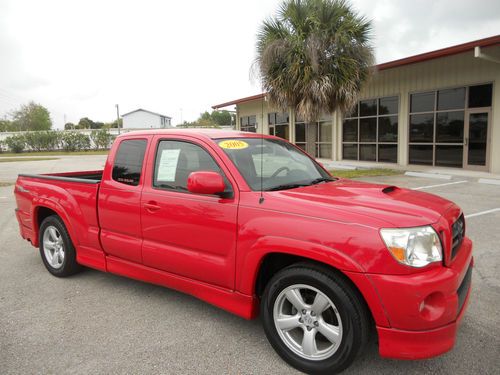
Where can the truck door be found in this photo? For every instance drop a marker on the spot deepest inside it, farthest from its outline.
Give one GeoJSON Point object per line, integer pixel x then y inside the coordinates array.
{"type": "Point", "coordinates": [190, 235]}
{"type": "Point", "coordinates": [119, 201]}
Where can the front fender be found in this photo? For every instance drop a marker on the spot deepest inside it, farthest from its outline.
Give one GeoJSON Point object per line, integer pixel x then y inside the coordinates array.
{"type": "Point", "coordinates": [251, 262]}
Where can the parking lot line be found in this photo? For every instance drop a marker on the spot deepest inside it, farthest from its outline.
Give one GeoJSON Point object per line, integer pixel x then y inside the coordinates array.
{"type": "Point", "coordinates": [482, 213]}
{"type": "Point", "coordinates": [433, 186]}
{"type": "Point", "coordinates": [428, 175]}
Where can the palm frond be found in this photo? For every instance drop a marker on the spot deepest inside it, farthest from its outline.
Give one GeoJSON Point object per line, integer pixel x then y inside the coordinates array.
{"type": "Point", "coordinates": [314, 56]}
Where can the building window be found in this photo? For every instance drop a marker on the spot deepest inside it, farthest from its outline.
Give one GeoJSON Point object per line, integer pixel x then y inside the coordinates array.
{"type": "Point", "coordinates": [370, 131]}
{"type": "Point", "coordinates": [315, 138]}
{"type": "Point", "coordinates": [279, 124]}
{"type": "Point", "coordinates": [437, 123]}
{"type": "Point", "coordinates": [248, 124]}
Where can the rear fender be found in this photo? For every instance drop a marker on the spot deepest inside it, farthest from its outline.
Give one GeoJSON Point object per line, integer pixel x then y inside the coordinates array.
{"type": "Point", "coordinates": [46, 203]}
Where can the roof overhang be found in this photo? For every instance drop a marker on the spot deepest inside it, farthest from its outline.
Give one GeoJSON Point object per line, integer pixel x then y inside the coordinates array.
{"type": "Point", "coordinates": [448, 51]}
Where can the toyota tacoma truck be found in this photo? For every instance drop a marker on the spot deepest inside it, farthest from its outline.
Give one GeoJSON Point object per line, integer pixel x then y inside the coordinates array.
{"type": "Point", "coordinates": [252, 224]}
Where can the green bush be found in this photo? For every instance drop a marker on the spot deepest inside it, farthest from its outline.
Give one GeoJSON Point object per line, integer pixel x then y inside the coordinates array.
{"type": "Point", "coordinates": [16, 143]}
{"type": "Point", "coordinates": [101, 139]}
{"type": "Point", "coordinates": [42, 141]}
{"type": "Point", "coordinates": [73, 141]}
{"type": "Point", "coordinates": [49, 140]}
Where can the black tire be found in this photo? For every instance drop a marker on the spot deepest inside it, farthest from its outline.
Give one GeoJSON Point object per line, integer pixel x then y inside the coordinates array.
{"type": "Point", "coordinates": [351, 309]}
{"type": "Point", "coordinates": [68, 266]}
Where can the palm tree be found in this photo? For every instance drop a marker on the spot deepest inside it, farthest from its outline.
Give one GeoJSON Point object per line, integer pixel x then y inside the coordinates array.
{"type": "Point", "coordinates": [314, 56]}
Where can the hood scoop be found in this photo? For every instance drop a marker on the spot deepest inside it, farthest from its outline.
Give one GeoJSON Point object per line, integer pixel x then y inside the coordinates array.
{"type": "Point", "coordinates": [390, 189]}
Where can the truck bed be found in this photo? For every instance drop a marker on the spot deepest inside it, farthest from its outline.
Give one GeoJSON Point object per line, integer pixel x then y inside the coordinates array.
{"type": "Point", "coordinates": [71, 195]}
{"type": "Point", "coordinates": [89, 177]}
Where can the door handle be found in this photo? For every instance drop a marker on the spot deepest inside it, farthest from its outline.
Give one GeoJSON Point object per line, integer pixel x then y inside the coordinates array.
{"type": "Point", "coordinates": [152, 206]}
{"type": "Point", "coordinates": [466, 141]}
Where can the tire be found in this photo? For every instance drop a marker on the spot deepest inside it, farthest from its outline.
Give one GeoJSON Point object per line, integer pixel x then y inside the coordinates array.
{"type": "Point", "coordinates": [335, 319]}
{"type": "Point", "coordinates": [57, 250]}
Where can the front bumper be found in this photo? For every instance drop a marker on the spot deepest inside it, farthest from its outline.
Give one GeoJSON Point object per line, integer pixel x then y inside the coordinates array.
{"type": "Point", "coordinates": [424, 309]}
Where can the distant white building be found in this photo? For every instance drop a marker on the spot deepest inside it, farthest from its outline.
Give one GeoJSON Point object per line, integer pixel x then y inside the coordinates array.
{"type": "Point", "coordinates": [143, 119]}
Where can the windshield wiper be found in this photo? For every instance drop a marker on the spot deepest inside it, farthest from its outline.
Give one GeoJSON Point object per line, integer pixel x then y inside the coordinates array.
{"type": "Point", "coordinates": [321, 179]}
{"type": "Point", "coordinates": [286, 187]}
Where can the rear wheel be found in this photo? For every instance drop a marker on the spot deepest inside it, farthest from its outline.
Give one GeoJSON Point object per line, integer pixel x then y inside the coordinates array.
{"type": "Point", "coordinates": [314, 320]}
{"type": "Point", "coordinates": [57, 250]}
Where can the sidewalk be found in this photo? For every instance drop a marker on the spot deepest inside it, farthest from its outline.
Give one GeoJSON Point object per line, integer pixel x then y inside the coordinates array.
{"type": "Point", "coordinates": [349, 164]}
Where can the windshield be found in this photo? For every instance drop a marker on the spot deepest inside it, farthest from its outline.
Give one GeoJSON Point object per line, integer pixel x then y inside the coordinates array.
{"type": "Point", "coordinates": [280, 164]}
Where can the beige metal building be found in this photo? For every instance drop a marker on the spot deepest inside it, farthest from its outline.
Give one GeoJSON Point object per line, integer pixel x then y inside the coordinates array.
{"type": "Point", "coordinates": [440, 108]}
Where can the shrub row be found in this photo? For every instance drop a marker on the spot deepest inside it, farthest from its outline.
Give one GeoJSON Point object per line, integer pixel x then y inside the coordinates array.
{"type": "Point", "coordinates": [51, 140]}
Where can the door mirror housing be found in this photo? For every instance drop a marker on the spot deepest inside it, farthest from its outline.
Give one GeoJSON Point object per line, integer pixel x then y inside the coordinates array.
{"type": "Point", "coordinates": [206, 182]}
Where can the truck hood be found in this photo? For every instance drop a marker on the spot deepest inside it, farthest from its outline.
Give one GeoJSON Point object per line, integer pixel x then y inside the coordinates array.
{"type": "Point", "coordinates": [347, 200]}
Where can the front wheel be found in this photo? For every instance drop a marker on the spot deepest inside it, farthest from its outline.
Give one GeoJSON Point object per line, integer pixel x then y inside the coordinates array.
{"type": "Point", "coordinates": [314, 319]}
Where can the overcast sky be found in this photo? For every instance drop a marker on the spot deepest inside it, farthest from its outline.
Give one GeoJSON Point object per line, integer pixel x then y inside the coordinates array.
{"type": "Point", "coordinates": [80, 58]}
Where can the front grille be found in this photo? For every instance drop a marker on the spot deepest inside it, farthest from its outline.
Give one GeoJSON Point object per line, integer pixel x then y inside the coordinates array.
{"type": "Point", "coordinates": [464, 288]}
{"type": "Point", "coordinates": [457, 235]}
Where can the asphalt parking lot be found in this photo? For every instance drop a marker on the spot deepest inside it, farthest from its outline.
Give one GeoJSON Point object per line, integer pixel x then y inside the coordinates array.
{"type": "Point", "coordinates": [100, 323]}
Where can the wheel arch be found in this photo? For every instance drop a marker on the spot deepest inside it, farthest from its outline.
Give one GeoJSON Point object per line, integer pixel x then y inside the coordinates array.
{"type": "Point", "coordinates": [272, 259]}
{"type": "Point", "coordinates": [41, 212]}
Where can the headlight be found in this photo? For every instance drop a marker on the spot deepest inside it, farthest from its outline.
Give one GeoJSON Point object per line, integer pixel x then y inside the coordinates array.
{"type": "Point", "coordinates": [416, 247]}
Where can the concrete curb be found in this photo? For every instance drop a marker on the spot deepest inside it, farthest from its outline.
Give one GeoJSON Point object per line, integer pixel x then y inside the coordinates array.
{"type": "Point", "coordinates": [489, 181]}
{"type": "Point", "coordinates": [429, 175]}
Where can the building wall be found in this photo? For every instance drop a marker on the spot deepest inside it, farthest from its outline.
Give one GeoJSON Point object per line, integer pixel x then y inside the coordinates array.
{"type": "Point", "coordinates": [448, 72]}
{"type": "Point", "coordinates": [255, 108]}
{"type": "Point", "coordinates": [142, 120]}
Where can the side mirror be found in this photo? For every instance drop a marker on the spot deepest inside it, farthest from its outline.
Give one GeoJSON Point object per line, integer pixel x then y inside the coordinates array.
{"type": "Point", "coordinates": [205, 182]}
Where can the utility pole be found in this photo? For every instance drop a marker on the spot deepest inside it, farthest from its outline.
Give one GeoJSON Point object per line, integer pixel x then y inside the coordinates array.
{"type": "Point", "coordinates": [117, 117]}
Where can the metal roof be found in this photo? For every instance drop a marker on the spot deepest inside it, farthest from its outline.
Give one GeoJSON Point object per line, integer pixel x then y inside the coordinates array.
{"type": "Point", "coordinates": [145, 110]}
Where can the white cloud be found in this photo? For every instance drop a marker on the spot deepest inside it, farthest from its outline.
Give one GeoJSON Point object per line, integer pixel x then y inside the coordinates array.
{"type": "Point", "coordinates": [80, 58]}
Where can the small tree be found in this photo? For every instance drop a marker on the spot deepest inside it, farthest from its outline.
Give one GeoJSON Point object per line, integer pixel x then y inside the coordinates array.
{"type": "Point", "coordinates": [6, 126]}
{"type": "Point", "coordinates": [221, 117]}
{"type": "Point", "coordinates": [85, 123]}
{"type": "Point", "coordinates": [32, 116]}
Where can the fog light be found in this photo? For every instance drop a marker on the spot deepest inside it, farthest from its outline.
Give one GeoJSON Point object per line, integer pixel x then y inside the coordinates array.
{"type": "Point", "coordinates": [433, 306]}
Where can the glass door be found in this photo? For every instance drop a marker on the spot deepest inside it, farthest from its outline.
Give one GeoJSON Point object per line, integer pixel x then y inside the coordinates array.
{"type": "Point", "coordinates": [476, 141]}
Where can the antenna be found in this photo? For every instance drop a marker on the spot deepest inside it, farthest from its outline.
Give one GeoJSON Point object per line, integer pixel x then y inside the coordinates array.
{"type": "Point", "coordinates": [261, 199]}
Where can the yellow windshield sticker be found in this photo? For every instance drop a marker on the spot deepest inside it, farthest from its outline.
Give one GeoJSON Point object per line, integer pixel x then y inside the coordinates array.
{"type": "Point", "coordinates": [233, 144]}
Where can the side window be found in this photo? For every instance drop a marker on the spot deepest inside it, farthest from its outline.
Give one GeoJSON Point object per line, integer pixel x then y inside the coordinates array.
{"type": "Point", "coordinates": [175, 160]}
{"type": "Point", "coordinates": [128, 161]}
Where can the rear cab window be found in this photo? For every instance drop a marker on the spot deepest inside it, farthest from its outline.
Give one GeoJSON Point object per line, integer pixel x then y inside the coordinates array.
{"type": "Point", "coordinates": [127, 166]}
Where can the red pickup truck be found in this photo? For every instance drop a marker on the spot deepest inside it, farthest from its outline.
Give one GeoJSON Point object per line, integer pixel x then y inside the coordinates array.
{"type": "Point", "coordinates": [252, 224]}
